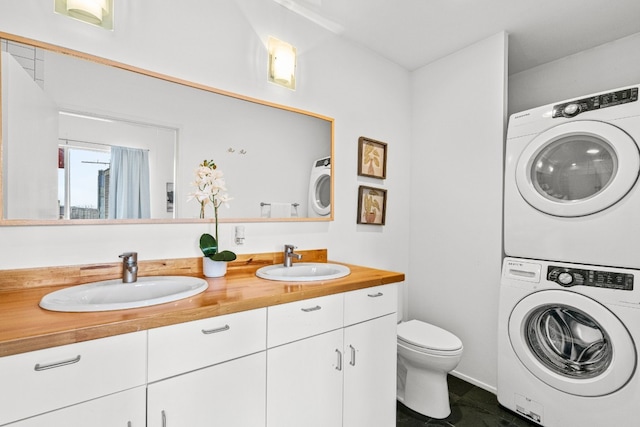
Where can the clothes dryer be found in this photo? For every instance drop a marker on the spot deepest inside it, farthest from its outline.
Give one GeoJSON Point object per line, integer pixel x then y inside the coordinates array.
{"type": "Point", "coordinates": [571, 181]}
{"type": "Point", "coordinates": [320, 188]}
{"type": "Point", "coordinates": [567, 343]}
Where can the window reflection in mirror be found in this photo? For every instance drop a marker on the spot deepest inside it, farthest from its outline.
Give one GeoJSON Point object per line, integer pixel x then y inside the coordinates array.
{"type": "Point", "coordinates": [92, 186]}
{"type": "Point", "coordinates": [83, 182]}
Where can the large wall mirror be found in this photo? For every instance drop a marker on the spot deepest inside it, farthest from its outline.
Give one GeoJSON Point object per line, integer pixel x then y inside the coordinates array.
{"type": "Point", "coordinates": [77, 130]}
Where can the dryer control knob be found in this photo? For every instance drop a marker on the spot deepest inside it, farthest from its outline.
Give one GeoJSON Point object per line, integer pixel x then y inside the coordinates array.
{"type": "Point", "coordinates": [565, 278]}
{"type": "Point", "coordinates": [571, 110]}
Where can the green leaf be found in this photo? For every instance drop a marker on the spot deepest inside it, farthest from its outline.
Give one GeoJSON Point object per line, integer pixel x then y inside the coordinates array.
{"type": "Point", "coordinates": [208, 245]}
{"type": "Point", "coordinates": [223, 256]}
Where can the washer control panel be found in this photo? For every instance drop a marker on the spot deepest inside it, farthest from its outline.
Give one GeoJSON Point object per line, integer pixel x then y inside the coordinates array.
{"type": "Point", "coordinates": [573, 108]}
{"type": "Point", "coordinates": [568, 277]}
{"type": "Point", "coordinates": [326, 162]}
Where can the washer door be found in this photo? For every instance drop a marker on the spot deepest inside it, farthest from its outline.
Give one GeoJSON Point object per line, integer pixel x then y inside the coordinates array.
{"type": "Point", "coordinates": [577, 168]}
{"type": "Point", "coordinates": [572, 343]}
{"type": "Point", "coordinates": [321, 194]}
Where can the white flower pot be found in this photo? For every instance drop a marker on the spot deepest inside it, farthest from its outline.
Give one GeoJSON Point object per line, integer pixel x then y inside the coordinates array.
{"type": "Point", "coordinates": [212, 268]}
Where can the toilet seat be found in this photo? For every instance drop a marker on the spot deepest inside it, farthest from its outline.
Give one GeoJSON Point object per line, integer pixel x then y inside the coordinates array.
{"type": "Point", "coordinates": [428, 338]}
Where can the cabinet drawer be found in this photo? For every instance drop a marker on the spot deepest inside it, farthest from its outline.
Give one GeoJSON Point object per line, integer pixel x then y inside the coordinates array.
{"type": "Point", "coordinates": [301, 319]}
{"type": "Point", "coordinates": [44, 380]}
{"type": "Point", "coordinates": [193, 345]}
{"type": "Point", "coordinates": [365, 304]}
{"type": "Point", "coordinates": [126, 408]}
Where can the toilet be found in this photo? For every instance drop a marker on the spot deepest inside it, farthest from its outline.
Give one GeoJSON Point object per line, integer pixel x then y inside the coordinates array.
{"type": "Point", "coordinates": [426, 354]}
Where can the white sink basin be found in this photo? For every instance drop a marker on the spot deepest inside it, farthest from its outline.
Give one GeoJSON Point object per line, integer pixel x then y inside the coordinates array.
{"type": "Point", "coordinates": [115, 295]}
{"type": "Point", "coordinates": [303, 272]}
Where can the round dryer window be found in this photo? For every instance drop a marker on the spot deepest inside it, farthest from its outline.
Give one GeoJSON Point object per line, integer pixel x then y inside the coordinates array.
{"type": "Point", "coordinates": [572, 343]}
{"type": "Point", "coordinates": [578, 168]}
{"type": "Point", "coordinates": [321, 198]}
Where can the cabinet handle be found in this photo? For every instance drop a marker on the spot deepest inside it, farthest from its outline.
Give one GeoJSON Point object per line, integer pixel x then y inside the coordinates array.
{"type": "Point", "coordinates": [216, 330]}
{"type": "Point", "coordinates": [353, 355]}
{"type": "Point", "coordinates": [307, 310]}
{"type": "Point", "coordinates": [379, 294]}
{"type": "Point", "coordinates": [40, 367]}
{"type": "Point", "coordinates": [339, 364]}
{"type": "Point", "coordinates": [164, 419]}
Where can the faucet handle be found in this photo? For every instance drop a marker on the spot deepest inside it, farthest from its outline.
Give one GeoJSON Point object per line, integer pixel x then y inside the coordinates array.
{"type": "Point", "coordinates": [129, 257]}
{"type": "Point", "coordinates": [289, 248]}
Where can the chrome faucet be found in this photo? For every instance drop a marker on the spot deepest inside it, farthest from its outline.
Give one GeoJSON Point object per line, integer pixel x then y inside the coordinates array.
{"type": "Point", "coordinates": [129, 267]}
{"type": "Point", "coordinates": [289, 255]}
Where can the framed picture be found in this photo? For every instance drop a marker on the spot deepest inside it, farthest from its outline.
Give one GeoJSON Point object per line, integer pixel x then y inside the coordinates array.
{"type": "Point", "coordinates": [372, 158]}
{"type": "Point", "coordinates": [372, 205]}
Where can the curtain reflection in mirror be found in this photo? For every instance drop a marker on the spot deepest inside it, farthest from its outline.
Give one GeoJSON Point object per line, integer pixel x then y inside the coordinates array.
{"type": "Point", "coordinates": [129, 196]}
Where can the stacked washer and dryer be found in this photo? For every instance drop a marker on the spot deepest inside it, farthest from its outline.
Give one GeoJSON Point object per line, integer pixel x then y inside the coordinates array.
{"type": "Point", "coordinates": [569, 315]}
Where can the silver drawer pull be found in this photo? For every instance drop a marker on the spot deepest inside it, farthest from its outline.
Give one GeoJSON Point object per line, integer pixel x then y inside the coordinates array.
{"type": "Point", "coordinates": [353, 355]}
{"type": "Point", "coordinates": [339, 364]}
{"type": "Point", "coordinates": [307, 310]}
{"type": "Point", "coordinates": [164, 419]}
{"type": "Point", "coordinates": [379, 294]}
{"type": "Point", "coordinates": [216, 330]}
{"type": "Point", "coordinates": [40, 367]}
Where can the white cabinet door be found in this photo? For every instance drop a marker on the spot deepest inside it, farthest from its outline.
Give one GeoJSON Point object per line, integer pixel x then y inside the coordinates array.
{"type": "Point", "coordinates": [304, 382]}
{"type": "Point", "coordinates": [370, 373]}
{"type": "Point", "coordinates": [124, 409]}
{"type": "Point", "coordinates": [228, 394]}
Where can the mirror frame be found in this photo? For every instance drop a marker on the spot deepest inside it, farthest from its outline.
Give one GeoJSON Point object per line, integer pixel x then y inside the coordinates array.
{"type": "Point", "coordinates": [171, 79]}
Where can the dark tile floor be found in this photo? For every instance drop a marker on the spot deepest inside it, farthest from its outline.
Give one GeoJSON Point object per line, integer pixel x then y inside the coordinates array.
{"type": "Point", "coordinates": [471, 406]}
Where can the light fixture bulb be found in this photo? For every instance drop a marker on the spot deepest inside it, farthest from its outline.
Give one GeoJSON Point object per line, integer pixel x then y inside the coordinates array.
{"type": "Point", "coordinates": [97, 12]}
{"type": "Point", "coordinates": [282, 63]}
{"type": "Point", "coordinates": [89, 10]}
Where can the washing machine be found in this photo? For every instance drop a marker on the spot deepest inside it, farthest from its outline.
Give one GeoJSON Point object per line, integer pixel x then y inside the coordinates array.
{"type": "Point", "coordinates": [320, 188]}
{"type": "Point", "coordinates": [571, 181]}
{"type": "Point", "coordinates": [568, 343]}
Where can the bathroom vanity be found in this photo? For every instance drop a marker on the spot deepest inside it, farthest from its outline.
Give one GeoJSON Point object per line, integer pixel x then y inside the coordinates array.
{"type": "Point", "coordinates": [246, 352]}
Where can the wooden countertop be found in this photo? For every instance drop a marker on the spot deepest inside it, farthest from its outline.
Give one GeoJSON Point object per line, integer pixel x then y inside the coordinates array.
{"type": "Point", "coordinates": [24, 326]}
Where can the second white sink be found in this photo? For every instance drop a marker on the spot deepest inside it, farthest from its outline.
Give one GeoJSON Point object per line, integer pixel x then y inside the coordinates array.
{"type": "Point", "coordinates": [115, 295]}
{"type": "Point", "coordinates": [303, 272]}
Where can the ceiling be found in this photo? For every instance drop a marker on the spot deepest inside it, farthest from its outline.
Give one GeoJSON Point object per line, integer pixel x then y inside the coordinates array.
{"type": "Point", "coordinates": [413, 33]}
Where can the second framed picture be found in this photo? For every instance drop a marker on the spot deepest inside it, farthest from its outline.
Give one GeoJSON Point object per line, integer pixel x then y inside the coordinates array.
{"type": "Point", "coordinates": [372, 158]}
{"type": "Point", "coordinates": [372, 205]}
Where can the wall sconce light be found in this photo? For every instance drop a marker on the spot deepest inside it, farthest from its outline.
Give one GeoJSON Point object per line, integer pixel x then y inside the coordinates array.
{"type": "Point", "coordinates": [282, 63]}
{"type": "Point", "coordinates": [96, 12]}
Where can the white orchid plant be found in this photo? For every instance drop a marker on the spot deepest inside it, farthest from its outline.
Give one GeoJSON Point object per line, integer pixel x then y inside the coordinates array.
{"type": "Point", "coordinates": [211, 189]}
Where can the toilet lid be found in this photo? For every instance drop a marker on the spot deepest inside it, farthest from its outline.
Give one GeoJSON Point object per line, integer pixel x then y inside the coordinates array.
{"type": "Point", "coordinates": [428, 336]}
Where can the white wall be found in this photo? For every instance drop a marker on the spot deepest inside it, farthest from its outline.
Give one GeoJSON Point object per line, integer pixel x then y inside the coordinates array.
{"type": "Point", "coordinates": [456, 200]}
{"type": "Point", "coordinates": [600, 69]}
{"type": "Point", "coordinates": [222, 44]}
{"type": "Point", "coordinates": [32, 123]}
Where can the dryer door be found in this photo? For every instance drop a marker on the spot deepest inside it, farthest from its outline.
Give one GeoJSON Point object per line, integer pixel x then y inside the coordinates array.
{"type": "Point", "coordinates": [577, 168]}
{"type": "Point", "coordinates": [572, 343]}
{"type": "Point", "coordinates": [321, 193]}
